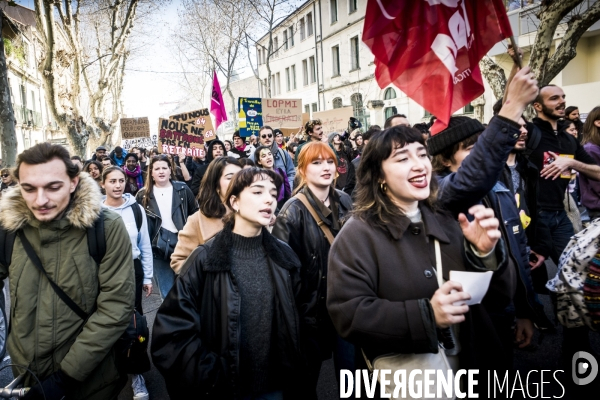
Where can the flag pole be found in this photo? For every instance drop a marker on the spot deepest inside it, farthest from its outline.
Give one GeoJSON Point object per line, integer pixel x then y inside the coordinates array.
{"type": "Point", "coordinates": [517, 56]}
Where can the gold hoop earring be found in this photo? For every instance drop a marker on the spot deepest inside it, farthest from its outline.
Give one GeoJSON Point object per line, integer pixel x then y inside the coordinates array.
{"type": "Point", "coordinates": [383, 187]}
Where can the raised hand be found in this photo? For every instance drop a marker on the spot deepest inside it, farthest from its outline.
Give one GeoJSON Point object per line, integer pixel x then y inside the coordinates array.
{"type": "Point", "coordinates": [483, 231]}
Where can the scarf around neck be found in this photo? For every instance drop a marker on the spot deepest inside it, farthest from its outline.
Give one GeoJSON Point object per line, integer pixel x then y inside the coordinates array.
{"type": "Point", "coordinates": [137, 174]}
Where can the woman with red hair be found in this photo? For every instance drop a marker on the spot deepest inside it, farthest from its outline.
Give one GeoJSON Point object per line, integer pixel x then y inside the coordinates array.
{"type": "Point", "coordinates": [308, 222]}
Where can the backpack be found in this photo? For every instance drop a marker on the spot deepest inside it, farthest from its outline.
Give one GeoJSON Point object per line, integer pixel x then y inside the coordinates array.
{"type": "Point", "coordinates": [573, 268]}
{"type": "Point", "coordinates": [132, 346]}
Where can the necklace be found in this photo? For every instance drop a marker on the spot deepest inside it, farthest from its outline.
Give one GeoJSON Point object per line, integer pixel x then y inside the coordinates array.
{"type": "Point", "coordinates": [326, 198]}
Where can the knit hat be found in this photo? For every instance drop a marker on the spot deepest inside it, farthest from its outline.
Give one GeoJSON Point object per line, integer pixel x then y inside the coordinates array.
{"type": "Point", "coordinates": [331, 136]}
{"type": "Point", "coordinates": [100, 148]}
{"type": "Point", "coordinates": [459, 128]}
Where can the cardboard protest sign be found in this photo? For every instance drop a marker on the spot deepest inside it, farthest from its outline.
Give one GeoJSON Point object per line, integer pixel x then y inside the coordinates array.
{"type": "Point", "coordinates": [293, 131]}
{"type": "Point", "coordinates": [173, 135]}
{"type": "Point", "coordinates": [282, 113]}
{"type": "Point", "coordinates": [198, 118]}
{"type": "Point", "coordinates": [135, 127]}
{"type": "Point", "coordinates": [145, 142]}
{"type": "Point", "coordinates": [335, 120]}
{"type": "Point", "coordinates": [250, 116]}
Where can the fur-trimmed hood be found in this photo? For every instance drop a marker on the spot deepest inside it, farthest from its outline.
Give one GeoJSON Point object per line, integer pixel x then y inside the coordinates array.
{"type": "Point", "coordinates": [83, 209]}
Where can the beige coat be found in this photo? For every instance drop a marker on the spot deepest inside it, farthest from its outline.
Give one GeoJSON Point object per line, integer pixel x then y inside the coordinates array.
{"type": "Point", "coordinates": [197, 230]}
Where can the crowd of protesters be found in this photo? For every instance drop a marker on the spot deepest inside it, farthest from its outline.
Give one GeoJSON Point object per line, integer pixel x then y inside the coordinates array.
{"type": "Point", "coordinates": [274, 255]}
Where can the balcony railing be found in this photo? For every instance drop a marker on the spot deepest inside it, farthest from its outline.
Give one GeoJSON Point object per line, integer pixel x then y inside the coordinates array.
{"type": "Point", "coordinates": [26, 116]}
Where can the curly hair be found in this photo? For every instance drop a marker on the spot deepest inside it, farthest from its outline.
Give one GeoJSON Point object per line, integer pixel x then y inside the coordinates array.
{"type": "Point", "coordinates": [310, 125]}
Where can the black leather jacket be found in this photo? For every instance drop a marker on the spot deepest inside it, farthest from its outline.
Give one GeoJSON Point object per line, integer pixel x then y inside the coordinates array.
{"type": "Point", "coordinates": [196, 336]}
{"type": "Point", "coordinates": [184, 204]}
{"type": "Point", "coordinates": [296, 227]}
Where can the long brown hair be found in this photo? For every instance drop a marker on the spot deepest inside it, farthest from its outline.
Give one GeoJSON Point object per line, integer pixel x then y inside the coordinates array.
{"type": "Point", "coordinates": [149, 185]}
{"type": "Point", "coordinates": [591, 133]}
{"type": "Point", "coordinates": [371, 204]}
{"type": "Point", "coordinates": [208, 197]}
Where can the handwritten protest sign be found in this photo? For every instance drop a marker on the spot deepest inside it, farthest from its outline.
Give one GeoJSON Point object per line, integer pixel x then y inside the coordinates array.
{"type": "Point", "coordinates": [282, 113]}
{"type": "Point", "coordinates": [135, 127]}
{"type": "Point", "coordinates": [198, 118]}
{"type": "Point", "coordinates": [293, 131]}
{"type": "Point", "coordinates": [173, 135]}
{"type": "Point", "coordinates": [335, 120]}
{"type": "Point", "coordinates": [250, 116]}
{"type": "Point", "coordinates": [144, 142]}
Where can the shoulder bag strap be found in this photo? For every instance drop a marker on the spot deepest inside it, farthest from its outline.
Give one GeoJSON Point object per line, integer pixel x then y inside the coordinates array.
{"type": "Point", "coordinates": [36, 261]}
{"type": "Point", "coordinates": [438, 263]}
{"type": "Point", "coordinates": [137, 214]}
{"type": "Point", "coordinates": [302, 197]}
{"type": "Point", "coordinates": [440, 279]}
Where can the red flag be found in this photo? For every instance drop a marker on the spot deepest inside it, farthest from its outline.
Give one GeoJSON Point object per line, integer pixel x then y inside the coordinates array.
{"type": "Point", "coordinates": [430, 49]}
{"type": "Point", "coordinates": [217, 106]}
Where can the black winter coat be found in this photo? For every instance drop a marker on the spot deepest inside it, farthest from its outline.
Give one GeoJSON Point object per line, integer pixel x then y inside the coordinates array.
{"type": "Point", "coordinates": [296, 227]}
{"type": "Point", "coordinates": [184, 204]}
{"type": "Point", "coordinates": [196, 337]}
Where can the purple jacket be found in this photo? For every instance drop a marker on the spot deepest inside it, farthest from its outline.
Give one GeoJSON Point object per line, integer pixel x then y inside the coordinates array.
{"type": "Point", "coordinates": [590, 189]}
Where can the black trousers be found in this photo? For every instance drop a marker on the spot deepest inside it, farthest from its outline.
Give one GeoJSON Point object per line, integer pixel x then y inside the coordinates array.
{"type": "Point", "coordinates": [139, 284]}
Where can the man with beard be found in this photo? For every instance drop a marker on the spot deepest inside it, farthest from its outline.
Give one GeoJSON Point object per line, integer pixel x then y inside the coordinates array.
{"type": "Point", "coordinates": [555, 156]}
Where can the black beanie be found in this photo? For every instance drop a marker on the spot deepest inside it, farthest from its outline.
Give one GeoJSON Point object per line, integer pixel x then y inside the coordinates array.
{"type": "Point", "coordinates": [459, 128]}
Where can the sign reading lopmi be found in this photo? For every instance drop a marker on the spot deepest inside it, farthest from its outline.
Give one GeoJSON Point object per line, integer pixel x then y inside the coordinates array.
{"type": "Point", "coordinates": [135, 127]}
{"type": "Point", "coordinates": [282, 113]}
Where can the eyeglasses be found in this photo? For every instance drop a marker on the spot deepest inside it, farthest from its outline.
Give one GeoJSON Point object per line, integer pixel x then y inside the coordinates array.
{"type": "Point", "coordinates": [268, 135]}
{"type": "Point", "coordinates": [5, 175]}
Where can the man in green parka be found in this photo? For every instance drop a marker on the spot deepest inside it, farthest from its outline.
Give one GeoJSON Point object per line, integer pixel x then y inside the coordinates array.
{"type": "Point", "coordinates": [53, 206]}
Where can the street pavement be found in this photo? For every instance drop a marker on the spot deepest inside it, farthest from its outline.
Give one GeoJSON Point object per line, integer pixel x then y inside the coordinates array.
{"type": "Point", "coordinates": [544, 354]}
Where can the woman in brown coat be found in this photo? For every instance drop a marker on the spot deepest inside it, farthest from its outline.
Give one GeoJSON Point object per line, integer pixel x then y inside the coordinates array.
{"type": "Point", "coordinates": [383, 294]}
{"type": "Point", "coordinates": [208, 221]}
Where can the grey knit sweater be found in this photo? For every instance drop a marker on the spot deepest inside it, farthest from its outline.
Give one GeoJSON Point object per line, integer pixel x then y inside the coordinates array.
{"type": "Point", "coordinates": [253, 278]}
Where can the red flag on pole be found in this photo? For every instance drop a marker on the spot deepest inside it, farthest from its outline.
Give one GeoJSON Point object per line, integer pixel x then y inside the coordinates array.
{"type": "Point", "coordinates": [217, 107]}
{"type": "Point", "coordinates": [430, 49]}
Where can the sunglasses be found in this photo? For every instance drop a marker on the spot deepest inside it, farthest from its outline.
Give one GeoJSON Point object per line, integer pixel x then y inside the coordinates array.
{"type": "Point", "coordinates": [5, 175]}
{"type": "Point", "coordinates": [268, 135]}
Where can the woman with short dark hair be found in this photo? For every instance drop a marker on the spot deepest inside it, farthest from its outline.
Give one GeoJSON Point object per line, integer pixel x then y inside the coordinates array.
{"type": "Point", "coordinates": [384, 294]}
{"type": "Point", "coordinates": [229, 328]}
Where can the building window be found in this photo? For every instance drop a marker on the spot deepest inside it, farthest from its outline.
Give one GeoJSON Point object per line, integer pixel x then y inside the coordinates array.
{"type": "Point", "coordinates": [335, 60]}
{"type": "Point", "coordinates": [305, 72]}
{"type": "Point", "coordinates": [337, 102]}
{"type": "Point", "coordinates": [291, 35]}
{"type": "Point", "coordinates": [293, 72]}
{"type": "Point", "coordinates": [258, 56]}
{"type": "Point", "coordinates": [313, 70]}
{"type": "Point", "coordinates": [389, 111]}
{"type": "Point", "coordinates": [309, 24]}
{"type": "Point", "coordinates": [389, 94]}
{"type": "Point", "coordinates": [278, 80]}
{"type": "Point", "coordinates": [302, 32]}
{"type": "Point", "coordinates": [307, 108]}
{"type": "Point", "coordinates": [264, 85]}
{"type": "Point", "coordinates": [275, 50]}
{"type": "Point", "coordinates": [354, 55]}
{"type": "Point", "coordinates": [273, 88]}
{"type": "Point", "coordinates": [427, 114]}
{"type": "Point", "coordinates": [357, 104]}
{"type": "Point", "coordinates": [314, 107]}
{"type": "Point", "coordinates": [287, 80]}
{"type": "Point", "coordinates": [352, 6]}
{"type": "Point", "coordinates": [333, 10]}
{"type": "Point", "coordinates": [285, 40]}
{"type": "Point", "coordinates": [469, 109]}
